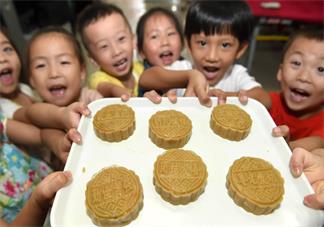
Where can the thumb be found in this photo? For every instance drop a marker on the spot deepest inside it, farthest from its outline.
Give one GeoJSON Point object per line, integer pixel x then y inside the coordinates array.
{"type": "Point", "coordinates": [297, 161]}
{"type": "Point", "coordinates": [315, 201]}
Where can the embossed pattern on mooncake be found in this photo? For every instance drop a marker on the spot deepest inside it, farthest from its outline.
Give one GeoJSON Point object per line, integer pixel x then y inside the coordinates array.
{"type": "Point", "coordinates": [169, 129]}
{"type": "Point", "coordinates": [114, 196]}
{"type": "Point", "coordinates": [114, 122]}
{"type": "Point", "coordinates": [180, 176]}
{"type": "Point", "coordinates": [255, 185]}
{"type": "Point", "coordinates": [230, 122]}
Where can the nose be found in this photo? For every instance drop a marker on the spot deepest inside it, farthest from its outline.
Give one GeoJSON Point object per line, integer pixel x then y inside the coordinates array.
{"type": "Point", "coordinates": [164, 40]}
{"type": "Point", "coordinates": [303, 75]}
{"type": "Point", "coordinates": [212, 54]}
{"type": "Point", "coordinates": [53, 71]}
{"type": "Point", "coordinates": [3, 57]}
{"type": "Point", "coordinates": [116, 50]}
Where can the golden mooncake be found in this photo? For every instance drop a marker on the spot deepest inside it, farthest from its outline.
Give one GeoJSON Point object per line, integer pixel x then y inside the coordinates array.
{"type": "Point", "coordinates": [114, 122]}
{"type": "Point", "coordinates": [180, 176]}
{"type": "Point", "coordinates": [114, 196]}
{"type": "Point", "coordinates": [255, 185]}
{"type": "Point", "coordinates": [230, 122]}
{"type": "Point", "coordinates": [169, 129]}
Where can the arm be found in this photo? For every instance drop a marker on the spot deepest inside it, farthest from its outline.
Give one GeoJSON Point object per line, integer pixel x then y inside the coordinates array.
{"type": "Point", "coordinates": [47, 115]}
{"type": "Point", "coordinates": [111, 90]}
{"type": "Point", "coordinates": [89, 95]}
{"type": "Point", "coordinates": [22, 133]}
{"type": "Point", "coordinates": [35, 210]}
{"type": "Point", "coordinates": [60, 142]}
{"type": "Point", "coordinates": [308, 143]}
{"type": "Point", "coordinates": [164, 79]}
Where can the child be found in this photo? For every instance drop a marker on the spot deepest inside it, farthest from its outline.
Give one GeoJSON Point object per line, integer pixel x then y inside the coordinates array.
{"type": "Point", "coordinates": [57, 69]}
{"type": "Point", "coordinates": [13, 94]}
{"type": "Point", "coordinates": [217, 34]}
{"type": "Point", "coordinates": [20, 173]}
{"type": "Point", "coordinates": [108, 38]}
{"type": "Point", "coordinates": [299, 105]}
{"type": "Point", "coordinates": [160, 40]}
{"type": "Point", "coordinates": [35, 210]}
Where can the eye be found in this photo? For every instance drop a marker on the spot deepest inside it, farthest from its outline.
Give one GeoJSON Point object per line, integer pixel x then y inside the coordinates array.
{"type": "Point", "coordinates": [8, 49]}
{"type": "Point", "coordinates": [103, 46]}
{"type": "Point", "coordinates": [202, 43]}
{"type": "Point", "coordinates": [65, 62]}
{"type": "Point", "coordinates": [172, 33]}
{"type": "Point", "coordinates": [153, 37]}
{"type": "Point", "coordinates": [39, 66]}
{"type": "Point", "coordinates": [320, 69]}
{"type": "Point", "coordinates": [122, 38]}
{"type": "Point", "coordinates": [296, 63]}
{"type": "Point", "coordinates": [226, 45]}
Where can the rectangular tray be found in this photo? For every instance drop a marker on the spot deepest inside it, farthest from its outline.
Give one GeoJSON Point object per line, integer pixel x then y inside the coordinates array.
{"type": "Point", "coordinates": [214, 207]}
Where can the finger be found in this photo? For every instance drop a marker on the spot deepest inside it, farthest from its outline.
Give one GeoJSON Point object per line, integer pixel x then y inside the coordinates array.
{"type": "Point", "coordinates": [82, 108]}
{"type": "Point", "coordinates": [221, 96]}
{"type": "Point", "coordinates": [153, 96]}
{"type": "Point", "coordinates": [172, 96]}
{"type": "Point", "coordinates": [53, 182]}
{"type": "Point", "coordinates": [297, 161]}
{"type": "Point", "coordinates": [243, 97]}
{"type": "Point", "coordinates": [74, 136]}
{"type": "Point", "coordinates": [315, 201]}
{"type": "Point", "coordinates": [281, 130]}
{"type": "Point", "coordinates": [125, 97]}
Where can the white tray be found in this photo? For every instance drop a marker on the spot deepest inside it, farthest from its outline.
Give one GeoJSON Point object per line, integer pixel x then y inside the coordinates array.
{"type": "Point", "coordinates": [214, 207]}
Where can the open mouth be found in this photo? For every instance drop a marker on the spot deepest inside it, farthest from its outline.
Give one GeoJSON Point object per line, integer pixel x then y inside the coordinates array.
{"type": "Point", "coordinates": [210, 72]}
{"type": "Point", "coordinates": [167, 57]}
{"type": "Point", "coordinates": [300, 92]}
{"type": "Point", "coordinates": [6, 76]}
{"type": "Point", "coordinates": [121, 65]}
{"type": "Point", "coordinates": [57, 90]}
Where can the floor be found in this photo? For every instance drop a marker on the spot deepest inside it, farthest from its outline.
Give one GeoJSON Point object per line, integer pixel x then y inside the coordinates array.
{"type": "Point", "coordinates": [266, 55]}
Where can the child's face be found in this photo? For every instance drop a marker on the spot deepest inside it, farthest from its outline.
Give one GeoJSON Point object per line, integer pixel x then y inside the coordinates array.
{"type": "Point", "coordinates": [214, 54]}
{"type": "Point", "coordinates": [10, 67]}
{"type": "Point", "coordinates": [55, 70]}
{"type": "Point", "coordinates": [161, 42]}
{"type": "Point", "coordinates": [111, 45]}
{"type": "Point", "coordinates": [301, 75]}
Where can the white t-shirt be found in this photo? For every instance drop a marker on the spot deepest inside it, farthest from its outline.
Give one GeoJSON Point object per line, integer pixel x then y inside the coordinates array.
{"type": "Point", "coordinates": [179, 65]}
{"type": "Point", "coordinates": [235, 79]}
{"type": "Point", "coordinates": [9, 107]}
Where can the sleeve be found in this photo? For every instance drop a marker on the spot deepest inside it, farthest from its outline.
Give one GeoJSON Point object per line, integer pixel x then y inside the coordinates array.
{"type": "Point", "coordinates": [243, 80]}
{"type": "Point", "coordinates": [96, 78]}
{"type": "Point", "coordinates": [3, 128]}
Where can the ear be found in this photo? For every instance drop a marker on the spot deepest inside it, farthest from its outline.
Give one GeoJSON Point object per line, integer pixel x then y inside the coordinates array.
{"type": "Point", "coordinates": [32, 81]}
{"type": "Point", "coordinates": [279, 73]}
{"type": "Point", "coordinates": [134, 41]}
{"type": "Point", "coordinates": [93, 62]}
{"type": "Point", "coordinates": [83, 72]}
{"type": "Point", "coordinates": [242, 50]}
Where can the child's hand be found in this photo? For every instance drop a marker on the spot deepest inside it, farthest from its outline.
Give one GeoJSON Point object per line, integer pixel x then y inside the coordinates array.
{"type": "Point", "coordinates": [64, 146]}
{"type": "Point", "coordinates": [154, 97]}
{"type": "Point", "coordinates": [89, 95]}
{"type": "Point", "coordinates": [198, 86]}
{"type": "Point", "coordinates": [45, 191]}
{"type": "Point", "coordinates": [312, 164]}
{"type": "Point", "coordinates": [281, 130]}
{"type": "Point", "coordinates": [71, 114]}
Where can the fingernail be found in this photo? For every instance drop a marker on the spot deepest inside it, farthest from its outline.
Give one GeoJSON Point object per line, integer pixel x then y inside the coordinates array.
{"type": "Point", "coordinates": [297, 171]}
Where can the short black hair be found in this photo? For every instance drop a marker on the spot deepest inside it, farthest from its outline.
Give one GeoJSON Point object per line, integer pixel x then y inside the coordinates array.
{"type": "Point", "coordinates": [62, 31]}
{"type": "Point", "coordinates": [220, 17]}
{"type": "Point", "coordinates": [147, 15]}
{"type": "Point", "coordinates": [94, 12]}
{"type": "Point", "coordinates": [311, 34]}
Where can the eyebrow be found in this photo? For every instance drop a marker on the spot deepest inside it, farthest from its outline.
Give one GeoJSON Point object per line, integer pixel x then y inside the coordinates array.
{"type": "Point", "coordinates": [56, 56]}
{"type": "Point", "coordinates": [5, 42]}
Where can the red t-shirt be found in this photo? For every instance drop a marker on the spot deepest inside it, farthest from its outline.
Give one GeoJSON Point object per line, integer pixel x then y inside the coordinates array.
{"type": "Point", "coordinates": [299, 128]}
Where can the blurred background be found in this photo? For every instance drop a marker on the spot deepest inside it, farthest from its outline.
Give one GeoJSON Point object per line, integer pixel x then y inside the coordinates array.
{"type": "Point", "coordinates": [275, 20]}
